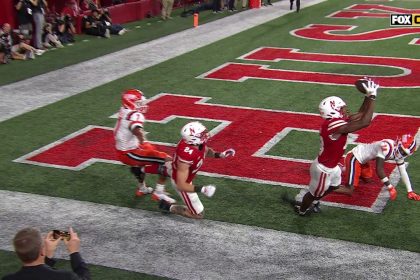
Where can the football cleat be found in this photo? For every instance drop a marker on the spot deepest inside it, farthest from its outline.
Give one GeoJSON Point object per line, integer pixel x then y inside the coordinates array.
{"type": "Point", "coordinates": [301, 213]}
{"type": "Point", "coordinates": [392, 193]}
{"type": "Point", "coordinates": [413, 196]}
{"type": "Point", "coordinates": [165, 206]}
{"type": "Point", "coordinates": [316, 207]}
{"type": "Point", "coordinates": [162, 196]}
{"type": "Point", "coordinates": [143, 191]}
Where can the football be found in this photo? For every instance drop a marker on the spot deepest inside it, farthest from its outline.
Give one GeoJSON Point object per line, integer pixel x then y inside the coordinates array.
{"type": "Point", "coordinates": [359, 85]}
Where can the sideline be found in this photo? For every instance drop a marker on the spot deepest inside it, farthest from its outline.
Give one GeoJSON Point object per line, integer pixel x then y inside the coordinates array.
{"type": "Point", "coordinates": [27, 95]}
{"type": "Point", "coordinates": [180, 248]}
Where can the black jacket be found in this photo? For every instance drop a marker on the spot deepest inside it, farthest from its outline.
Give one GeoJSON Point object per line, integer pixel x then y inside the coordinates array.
{"type": "Point", "coordinates": [46, 271]}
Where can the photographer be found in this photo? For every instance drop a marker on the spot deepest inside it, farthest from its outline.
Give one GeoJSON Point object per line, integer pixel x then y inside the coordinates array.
{"type": "Point", "coordinates": [36, 256]}
{"type": "Point", "coordinates": [5, 48]}
{"type": "Point", "coordinates": [92, 26]}
{"type": "Point", "coordinates": [64, 29]}
{"type": "Point", "coordinates": [105, 18]}
{"type": "Point", "coordinates": [38, 11]}
{"type": "Point", "coordinates": [24, 15]}
{"type": "Point", "coordinates": [15, 46]}
{"type": "Point", "coordinates": [49, 38]}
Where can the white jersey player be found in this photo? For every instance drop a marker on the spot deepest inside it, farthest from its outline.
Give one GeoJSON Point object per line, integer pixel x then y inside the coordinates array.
{"type": "Point", "coordinates": [357, 164]}
{"type": "Point", "coordinates": [133, 149]}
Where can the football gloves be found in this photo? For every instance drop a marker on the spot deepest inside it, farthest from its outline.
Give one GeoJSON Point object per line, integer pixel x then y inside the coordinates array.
{"type": "Point", "coordinates": [413, 196]}
{"type": "Point", "coordinates": [392, 192]}
{"type": "Point", "coordinates": [371, 89]}
{"type": "Point", "coordinates": [208, 190]}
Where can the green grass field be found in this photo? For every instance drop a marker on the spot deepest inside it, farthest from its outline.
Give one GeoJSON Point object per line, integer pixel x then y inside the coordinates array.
{"type": "Point", "coordinates": [242, 202]}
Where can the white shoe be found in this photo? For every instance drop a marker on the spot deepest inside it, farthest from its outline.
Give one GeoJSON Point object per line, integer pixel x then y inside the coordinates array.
{"type": "Point", "coordinates": [39, 52]}
{"type": "Point", "coordinates": [162, 196]}
{"type": "Point", "coordinates": [122, 31]}
{"type": "Point", "coordinates": [143, 191]}
{"type": "Point", "coordinates": [107, 34]}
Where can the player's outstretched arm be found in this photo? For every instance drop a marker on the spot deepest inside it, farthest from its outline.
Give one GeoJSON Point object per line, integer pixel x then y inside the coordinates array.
{"type": "Point", "coordinates": [226, 153]}
{"type": "Point", "coordinates": [406, 180]}
{"type": "Point", "coordinates": [371, 90]}
{"type": "Point", "coordinates": [362, 122]}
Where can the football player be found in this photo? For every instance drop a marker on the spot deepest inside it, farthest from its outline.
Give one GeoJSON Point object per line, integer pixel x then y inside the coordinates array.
{"type": "Point", "coordinates": [133, 148]}
{"type": "Point", "coordinates": [325, 172]}
{"type": "Point", "coordinates": [188, 159]}
{"type": "Point", "coordinates": [357, 164]}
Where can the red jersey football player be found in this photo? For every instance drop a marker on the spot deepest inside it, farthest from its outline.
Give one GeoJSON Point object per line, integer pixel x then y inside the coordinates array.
{"type": "Point", "coordinates": [325, 172]}
{"type": "Point", "coordinates": [357, 164]}
{"type": "Point", "coordinates": [133, 148]}
{"type": "Point", "coordinates": [187, 161]}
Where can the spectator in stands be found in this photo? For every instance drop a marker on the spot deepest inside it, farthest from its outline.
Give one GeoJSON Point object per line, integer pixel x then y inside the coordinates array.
{"type": "Point", "coordinates": [4, 50]}
{"type": "Point", "coordinates": [3, 57]}
{"type": "Point", "coordinates": [231, 6]}
{"type": "Point", "coordinates": [64, 29]}
{"type": "Point", "coordinates": [87, 5]}
{"type": "Point", "coordinates": [244, 4]}
{"type": "Point", "coordinates": [217, 6]}
{"type": "Point", "coordinates": [38, 10]}
{"type": "Point", "coordinates": [297, 5]}
{"type": "Point", "coordinates": [105, 18]}
{"type": "Point", "coordinates": [24, 15]}
{"type": "Point", "coordinates": [14, 44]}
{"type": "Point", "coordinates": [167, 9]}
{"type": "Point", "coordinates": [49, 38]}
{"type": "Point", "coordinates": [36, 255]}
{"type": "Point", "coordinates": [267, 3]}
{"type": "Point", "coordinates": [93, 26]}
{"type": "Point", "coordinates": [71, 8]}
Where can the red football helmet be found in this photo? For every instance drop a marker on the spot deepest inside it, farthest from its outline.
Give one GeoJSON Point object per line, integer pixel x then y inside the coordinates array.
{"type": "Point", "coordinates": [406, 145]}
{"type": "Point", "coordinates": [134, 99]}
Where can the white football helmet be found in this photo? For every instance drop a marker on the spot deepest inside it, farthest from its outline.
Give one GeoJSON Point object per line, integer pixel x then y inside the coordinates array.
{"type": "Point", "coordinates": [330, 107]}
{"type": "Point", "coordinates": [194, 133]}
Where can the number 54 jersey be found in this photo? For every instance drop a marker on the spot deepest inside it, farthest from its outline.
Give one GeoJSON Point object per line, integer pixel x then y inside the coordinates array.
{"type": "Point", "coordinates": [190, 154]}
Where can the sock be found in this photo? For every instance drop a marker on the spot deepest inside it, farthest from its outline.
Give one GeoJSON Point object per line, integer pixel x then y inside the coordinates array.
{"type": "Point", "coordinates": [160, 188]}
{"type": "Point", "coordinates": [141, 186]}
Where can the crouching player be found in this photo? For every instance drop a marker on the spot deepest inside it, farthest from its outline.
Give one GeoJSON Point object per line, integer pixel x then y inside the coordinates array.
{"type": "Point", "coordinates": [358, 159]}
{"type": "Point", "coordinates": [133, 148]}
{"type": "Point", "coordinates": [188, 159]}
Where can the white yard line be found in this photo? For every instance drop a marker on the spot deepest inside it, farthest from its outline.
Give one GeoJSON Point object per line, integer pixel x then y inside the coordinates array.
{"type": "Point", "coordinates": [181, 248]}
{"type": "Point", "coordinates": [36, 92]}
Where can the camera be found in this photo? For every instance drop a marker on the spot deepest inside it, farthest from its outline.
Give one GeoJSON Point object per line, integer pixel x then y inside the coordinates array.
{"type": "Point", "coordinates": [61, 234]}
{"type": "Point", "coordinates": [68, 19]}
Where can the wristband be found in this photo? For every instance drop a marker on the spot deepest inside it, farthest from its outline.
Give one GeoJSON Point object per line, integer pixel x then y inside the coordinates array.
{"type": "Point", "coordinates": [217, 155]}
{"type": "Point", "coordinates": [373, 97]}
{"type": "Point", "coordinates": [197, 188]}
{"type": "Point", "coordinates": [384, 180]}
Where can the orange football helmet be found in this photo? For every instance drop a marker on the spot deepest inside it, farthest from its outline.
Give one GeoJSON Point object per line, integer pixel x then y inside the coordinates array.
{"type": "Point", "coordinates": [134, 99]}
